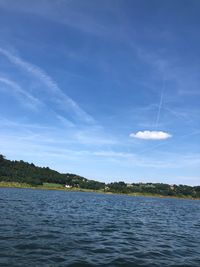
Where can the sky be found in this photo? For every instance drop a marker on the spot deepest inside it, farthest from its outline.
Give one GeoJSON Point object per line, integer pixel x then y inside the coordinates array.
{"type": "Point", "coordinates": [108, 89]}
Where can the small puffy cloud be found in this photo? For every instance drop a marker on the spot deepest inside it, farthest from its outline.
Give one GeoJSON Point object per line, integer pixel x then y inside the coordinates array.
{"type": "Point", "coordinates": [151, 135]}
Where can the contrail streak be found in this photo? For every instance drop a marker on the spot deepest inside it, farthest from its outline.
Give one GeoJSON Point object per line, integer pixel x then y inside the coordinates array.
{"type": "Point", "coordinates": [160, 104]}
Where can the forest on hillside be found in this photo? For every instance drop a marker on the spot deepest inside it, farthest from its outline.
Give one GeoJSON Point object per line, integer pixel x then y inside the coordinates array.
{"type": "Point", "coordinates": [24, 172]}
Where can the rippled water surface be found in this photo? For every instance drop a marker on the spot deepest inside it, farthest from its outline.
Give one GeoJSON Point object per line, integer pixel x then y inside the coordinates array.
{"type": "Point", "coordinates": [57, 228]}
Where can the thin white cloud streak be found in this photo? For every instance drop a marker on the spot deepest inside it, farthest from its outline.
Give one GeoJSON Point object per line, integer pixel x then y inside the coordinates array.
{"type": "Point", "coordinates": [160, 104]}
{"type": "Point", "coordinates": [162, 67]}
{"type": "Point", "coordinates": [33, 101]}
{"type": "Point", "coordinates": [62, 98]}
{"type": "Point", "coordinates": [65, 121]}
{"type": "Point", "coordinates": [151, 135]}
{"type": "Point", "coordinates": [15, 124]}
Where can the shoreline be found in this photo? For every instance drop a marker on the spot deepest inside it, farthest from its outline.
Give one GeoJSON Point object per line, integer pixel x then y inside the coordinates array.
{"type": "Point", "coordinates": [74, 189]}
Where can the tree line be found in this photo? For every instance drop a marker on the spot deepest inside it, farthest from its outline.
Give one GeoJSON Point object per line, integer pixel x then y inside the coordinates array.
{"type": "Point", "coordinates": [24, 172]}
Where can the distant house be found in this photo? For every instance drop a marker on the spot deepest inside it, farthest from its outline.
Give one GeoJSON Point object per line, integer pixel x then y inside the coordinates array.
{"type": "Point", "coordinates": [172, 187]}
{"type": "Point", "coordinates": [68, 186]}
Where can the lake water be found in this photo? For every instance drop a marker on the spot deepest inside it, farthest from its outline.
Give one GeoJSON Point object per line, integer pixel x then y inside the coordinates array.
{"type": "Point", "coordinates": [57, 228]}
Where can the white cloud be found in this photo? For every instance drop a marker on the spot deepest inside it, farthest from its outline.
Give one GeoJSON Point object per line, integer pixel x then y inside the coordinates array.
{"type": "Point", "coordinates": [151, 135]}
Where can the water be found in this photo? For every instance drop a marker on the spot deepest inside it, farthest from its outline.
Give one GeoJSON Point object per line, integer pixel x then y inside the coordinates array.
{"type": "Point", "coordinates": [57, 228]}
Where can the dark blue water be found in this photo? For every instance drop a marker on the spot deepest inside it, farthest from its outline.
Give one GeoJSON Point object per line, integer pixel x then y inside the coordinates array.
{"type": "Point", "coordinates": [56, 228]}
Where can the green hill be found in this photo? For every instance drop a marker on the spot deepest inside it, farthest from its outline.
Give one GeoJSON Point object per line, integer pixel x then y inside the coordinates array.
{"type": "Point", "coordinates": [24, 172]}
{"type": "Point", "coordinates": [28, 173]}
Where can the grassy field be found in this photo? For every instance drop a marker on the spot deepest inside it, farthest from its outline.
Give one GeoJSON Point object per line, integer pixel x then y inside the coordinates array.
{"type": "Point", "coordinates": [54, 186]}
{"type": "Point", "coordinates": [16, 185]}
{"type": "Point", "coordinates": [48, 186]}
{"type": "Point", "coordinates": [24, 185]}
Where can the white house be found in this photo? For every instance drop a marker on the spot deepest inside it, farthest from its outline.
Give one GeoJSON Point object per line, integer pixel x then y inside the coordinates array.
{"type": "Point", "coordinates": [68, 186]}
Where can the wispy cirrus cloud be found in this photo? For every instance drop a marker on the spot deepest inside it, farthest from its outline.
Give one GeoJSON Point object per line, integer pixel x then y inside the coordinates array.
{"type": "Point", "coordinates": [65, 121]}
{"type": "Point", "coordinates": [76, 14]}
{"type": "Point", "coordinates": [63, 100]}
{"type": "Point", "coordinates": [151, 135]}
{"type": "Point", "coordinates": [68, 134]}
{"type": "Point", "coordinates": [33, 102]}
{"type": "Point", "coordinates": [38, 145]}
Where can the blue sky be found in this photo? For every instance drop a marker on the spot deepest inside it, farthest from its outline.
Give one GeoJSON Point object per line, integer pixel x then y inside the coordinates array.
{"type": "Point", "coordinates": [105, 89]}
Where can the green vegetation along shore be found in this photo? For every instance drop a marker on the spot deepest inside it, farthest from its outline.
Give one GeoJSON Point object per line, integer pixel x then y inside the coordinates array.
{"type": "Point", "coordinates": [21, 174]}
